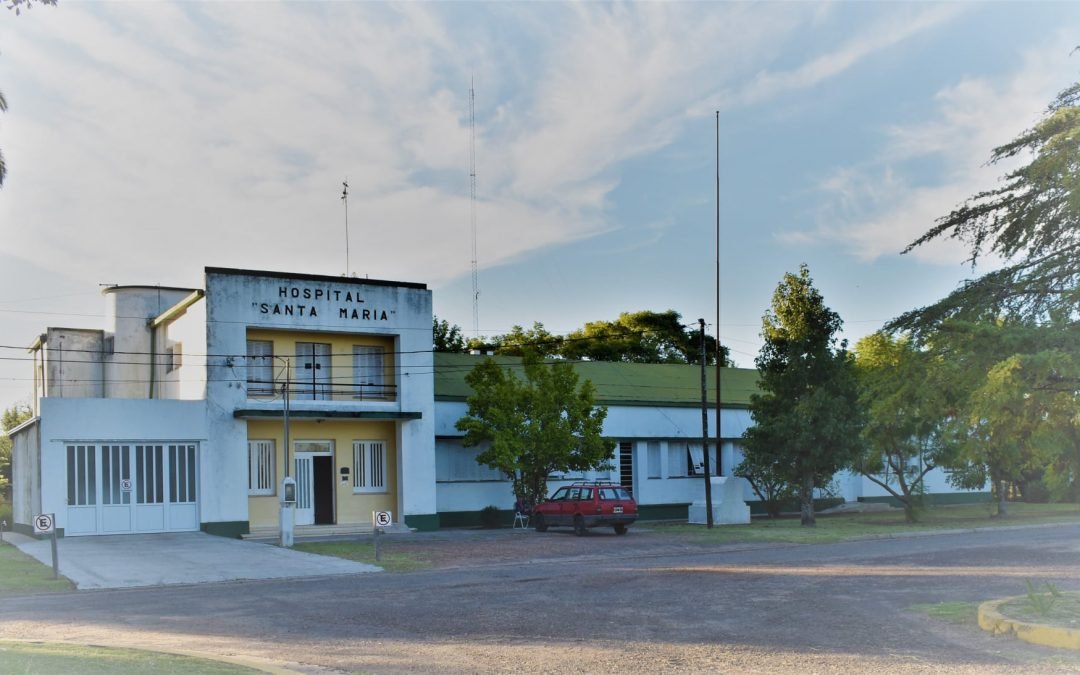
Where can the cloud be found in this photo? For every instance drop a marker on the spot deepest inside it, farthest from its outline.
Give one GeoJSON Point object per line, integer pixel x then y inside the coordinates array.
{"type": "Point", "coordinates": [884, 34]}
{"type": "Point", "coordinates": [877, 208]}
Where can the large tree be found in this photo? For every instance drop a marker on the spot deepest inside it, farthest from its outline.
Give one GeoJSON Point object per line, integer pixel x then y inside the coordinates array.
{"type": "Point", "coordinates": [1031, 220]}
{"type": "Point", "coordinates": [534, 426]}
{"type": "Point", "coordinates": [807, 416]}
{"type": "Point", "coordinates": [641, 337]}
{"type": "Point", "coordinates": [910, 403]}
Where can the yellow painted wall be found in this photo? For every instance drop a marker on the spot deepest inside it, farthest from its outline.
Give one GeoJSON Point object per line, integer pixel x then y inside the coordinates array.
{"type": "Point", "coordinates": [341, 360]}
{"type": "Point", "coordinates": [349, 508]}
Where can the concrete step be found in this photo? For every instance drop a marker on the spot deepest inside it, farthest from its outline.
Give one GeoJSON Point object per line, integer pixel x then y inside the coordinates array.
{"type": "Point", "coordinates": [311, 531]}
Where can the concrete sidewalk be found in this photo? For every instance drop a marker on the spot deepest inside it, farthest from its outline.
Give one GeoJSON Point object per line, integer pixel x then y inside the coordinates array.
{"type": "Point", "coordinates": [124, 561]}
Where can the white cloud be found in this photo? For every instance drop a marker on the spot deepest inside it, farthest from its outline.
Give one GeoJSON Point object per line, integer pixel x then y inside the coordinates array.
{"type": "Point", "coordinates": [878, 208]}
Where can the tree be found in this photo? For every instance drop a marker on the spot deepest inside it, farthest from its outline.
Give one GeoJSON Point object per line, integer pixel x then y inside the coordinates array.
{"type": "Point", "coordinates": [640, 337]}
{"type": "Point", "coordinates": [1031, 220]}
{"type": "Point", "coordinates": [906, 395]}
{"type": "Point", "coordinates": [536, 426]}
{"type": "Point", "coordinates": [11, 418]}
{"type": "Point", "coordinates": [769, 478]}
{"type": "Point", "coordinates": [807, 417]}
{"type": "Point", "coordinates": [447, 337]}
{"type": "Point", "coordinates": [537, 339]}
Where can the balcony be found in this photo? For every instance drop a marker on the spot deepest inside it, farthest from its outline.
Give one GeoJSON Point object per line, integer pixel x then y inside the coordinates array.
{"type": "Point", "coordinates": [307, 390]}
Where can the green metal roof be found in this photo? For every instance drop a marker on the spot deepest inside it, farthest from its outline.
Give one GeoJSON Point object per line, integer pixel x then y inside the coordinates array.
{"type": "Point", "coordinates": [616, 383]}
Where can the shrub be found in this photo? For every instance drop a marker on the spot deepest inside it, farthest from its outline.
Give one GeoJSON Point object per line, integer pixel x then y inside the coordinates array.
{"type": "Point", "coordinates": [489, 517]}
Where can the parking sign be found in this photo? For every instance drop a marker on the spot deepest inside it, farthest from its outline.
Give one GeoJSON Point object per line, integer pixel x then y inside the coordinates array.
{"type": "Point", "coordinates": [382, 518]}
{"type": "Point", "coordinates": [43, 524]}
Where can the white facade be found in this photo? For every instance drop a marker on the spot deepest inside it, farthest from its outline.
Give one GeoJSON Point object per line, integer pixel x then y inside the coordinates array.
{"type": "Point", "coordinates": [147, 425]}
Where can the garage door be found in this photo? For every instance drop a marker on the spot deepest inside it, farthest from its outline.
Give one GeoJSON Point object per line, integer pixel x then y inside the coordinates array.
{"type": "Point", "coordinates": [114, 488]}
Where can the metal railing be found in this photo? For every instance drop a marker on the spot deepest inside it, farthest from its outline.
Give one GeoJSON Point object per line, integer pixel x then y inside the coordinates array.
{"type": "Point", "coordinates": [306, 390]}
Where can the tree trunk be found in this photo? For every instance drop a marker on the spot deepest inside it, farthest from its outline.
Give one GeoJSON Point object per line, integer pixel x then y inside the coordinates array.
{"type": "Point", "coordinates": [807, 496]}
{"type": "Point", "coordinates": [909, 511]}
{"type": "Point", "coordinates": [1002, 506]}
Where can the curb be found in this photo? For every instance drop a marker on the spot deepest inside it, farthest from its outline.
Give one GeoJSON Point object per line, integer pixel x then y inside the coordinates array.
{"type": "Point", "coordinates": [993, 621]}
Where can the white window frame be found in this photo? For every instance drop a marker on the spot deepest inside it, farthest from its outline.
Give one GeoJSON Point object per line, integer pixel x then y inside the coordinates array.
{"type": "Point", "coordinates": [262, 467]}
{"type": "Point", "coordinates": [369, 467]}
{"type": "Point", "coordinates": [366, 373]}
{"type": "Point", "coordinates": [652, 452]}
{"type": "Point", "coordinates": [260, 367]}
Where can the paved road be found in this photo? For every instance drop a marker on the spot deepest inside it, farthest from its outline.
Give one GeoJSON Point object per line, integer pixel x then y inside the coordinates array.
{"type": "Point", "coordinates": [825, 608]}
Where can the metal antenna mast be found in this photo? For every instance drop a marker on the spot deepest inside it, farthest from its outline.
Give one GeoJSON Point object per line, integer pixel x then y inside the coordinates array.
{"type": "Point", "coordinates": [472, 208]}
{"type": "Point", "coordinates": [345, 201]}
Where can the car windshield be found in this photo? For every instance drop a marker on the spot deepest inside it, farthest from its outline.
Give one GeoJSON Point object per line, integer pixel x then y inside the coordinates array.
{"type": "Point", "coordinates": [559, 494]}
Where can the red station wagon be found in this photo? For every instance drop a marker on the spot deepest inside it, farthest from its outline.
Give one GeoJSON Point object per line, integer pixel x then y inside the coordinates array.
{"type": "Point", "coordinates": [586, 505]}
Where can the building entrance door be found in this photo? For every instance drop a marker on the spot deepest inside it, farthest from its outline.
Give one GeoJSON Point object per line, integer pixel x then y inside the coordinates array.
{"type": "Point", "coordinates": [314, 488]}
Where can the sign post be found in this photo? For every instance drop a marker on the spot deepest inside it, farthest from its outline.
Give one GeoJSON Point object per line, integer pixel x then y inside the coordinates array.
{"type": "Point", "coordinates": [45, 523]}
{"type": "Point", "coordinates": [379, 520]}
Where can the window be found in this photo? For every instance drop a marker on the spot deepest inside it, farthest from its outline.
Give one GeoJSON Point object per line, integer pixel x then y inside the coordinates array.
{"type": "Point", "coordinates": [455, 463]}
{"type": "Point", "coordinates": [260, 367]}
{"type": "Point", "coordinates": [676, 461]}
{"type": "Point", "coordinates": [174, 357]}
{"type": "Point", "coordinates": [261, 463]}
{"type": "Point", "coordinates": [313, 377]}
{"type": "Point", "coordinates": [653, 452]}
{"type": "Point", "coordinates": [369, 372]}
{"type": "Point", "coordinates": [687, 459]}
{"type": "Point", "coordinates": [369, 466]}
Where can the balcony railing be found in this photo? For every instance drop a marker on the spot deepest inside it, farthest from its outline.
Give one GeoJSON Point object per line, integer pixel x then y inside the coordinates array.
{"type": "Point", "coordinates": [306, 390]}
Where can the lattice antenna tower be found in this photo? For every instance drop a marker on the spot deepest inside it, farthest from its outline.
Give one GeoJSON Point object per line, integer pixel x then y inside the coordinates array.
{"type": "Point", "coordinates": [472, 209]}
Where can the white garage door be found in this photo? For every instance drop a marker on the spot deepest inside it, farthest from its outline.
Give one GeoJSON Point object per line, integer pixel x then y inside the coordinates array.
{"type": "Point", "coordinates": [115, 488]}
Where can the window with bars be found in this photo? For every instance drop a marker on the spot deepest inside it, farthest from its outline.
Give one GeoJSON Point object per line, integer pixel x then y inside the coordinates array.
{"type": "Point", "coordinates": [261, 467]}
{"type": "Point", "coordinates": [369, 466]}
{"type": "Point", "coordinates": [260, 367]}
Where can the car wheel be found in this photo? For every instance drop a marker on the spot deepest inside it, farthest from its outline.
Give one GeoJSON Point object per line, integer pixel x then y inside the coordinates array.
{"type": "Point", "coordinates": [539, 523]}
{"type": "Point", "coordinates": [620, 529]}
{"type": "Point", "coordinates": [579, 526]}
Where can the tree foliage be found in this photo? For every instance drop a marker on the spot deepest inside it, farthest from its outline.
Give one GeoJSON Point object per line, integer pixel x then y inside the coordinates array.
{"type": "Point", "coordinates": [11, 418]}
{"type": "Point", "coordinates": [447, 337]}
{"type": "Point", "coordinates": [1031, 220]}
{"type": "Point", "coordinates": [634, 337]}
{"type": "Point", "coordinates": [534, 426]}
{"type": "Point", "coordinates": [641, 337]}
{"type": "Point", "coordinates": [807, 417]}
{"type": "Point", "coordinates": [910, 403]}
{"type": "Point", "coordinates": [536, 339]}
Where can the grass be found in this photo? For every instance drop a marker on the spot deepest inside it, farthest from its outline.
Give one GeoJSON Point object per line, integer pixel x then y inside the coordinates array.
{"type": "Point", "coordinates": [957, 613]}
{"type": "Point", "coordinates": [46, 658]}
{"type": "Point", "coordinates": [392, 561]}
{"type": "Point", "coordinates": [1064, 611]}
{"type": "Point", "coordinates": [840, 527]}
{"type": "Point", "coordinates": [19, 573]}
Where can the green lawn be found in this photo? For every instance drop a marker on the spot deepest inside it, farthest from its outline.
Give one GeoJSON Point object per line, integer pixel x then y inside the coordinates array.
{"type": "Point", "coordinates": [1063, 610]}
{"type": "Point", "coordinates": [883, 523]}
{"type": "Point", "coordinates": [958, 613]}
{"type": "Point", "coordinates": [391, 561]}
{"type": "Point", "coordinates": [19, 573]}
{"type": "Point", "coordinates": [47, 659]}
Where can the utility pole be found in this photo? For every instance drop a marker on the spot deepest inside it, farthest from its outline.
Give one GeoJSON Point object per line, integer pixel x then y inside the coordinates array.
{"type": "Point", "coordinates": [472, 209]}
{"type": "Point", "coordinates": [719, 348]}
{"type": "Point", "coordinates": [705, 431]}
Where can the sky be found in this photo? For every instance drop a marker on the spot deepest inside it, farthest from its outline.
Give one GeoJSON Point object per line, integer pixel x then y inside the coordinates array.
{"type": "Point", "coordinates": [147, 140]}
